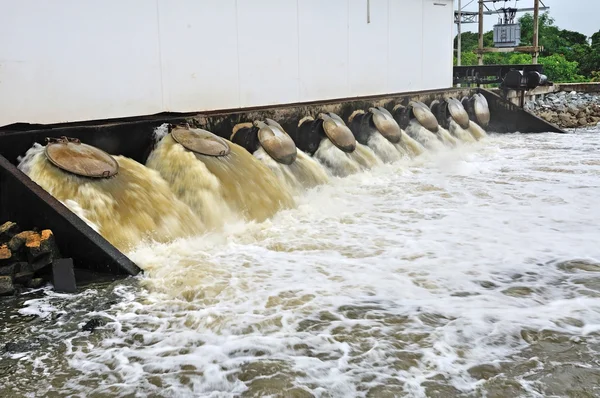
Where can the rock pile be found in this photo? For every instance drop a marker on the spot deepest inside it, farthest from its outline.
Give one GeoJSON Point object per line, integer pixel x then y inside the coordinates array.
{"type": "Point", "coordinates": [29, 259]}
{"type": "Point", "coordinates": [567, 110]}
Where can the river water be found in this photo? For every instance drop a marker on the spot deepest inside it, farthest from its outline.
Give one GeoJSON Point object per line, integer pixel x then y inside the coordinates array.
{"type": "Point", "coordinates": [471, 272]}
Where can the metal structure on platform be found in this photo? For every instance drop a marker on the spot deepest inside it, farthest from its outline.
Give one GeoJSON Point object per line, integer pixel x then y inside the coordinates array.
{"type": "Point", "coordinates": [477, 75]}
{"type": "Point", "coordinates": [506, 32]}
{"type": "Point", "coordinates": [516, 78]}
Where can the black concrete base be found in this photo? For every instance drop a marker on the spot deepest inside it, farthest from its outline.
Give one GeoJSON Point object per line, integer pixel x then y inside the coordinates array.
{"type": "Point", "coordinates": [507, 117]}
{"type": "Point", "coordinates": [63, 276]}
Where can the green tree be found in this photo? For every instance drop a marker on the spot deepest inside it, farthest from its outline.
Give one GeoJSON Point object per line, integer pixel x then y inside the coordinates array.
{"type": "Point", "coordinates": [584, 55]}
{"type": "Point", "coordinates": [559, 69]}
{"type": "Point", "coordinates": [553, 39]}
{"type": "Point", "coordinates": [495, 58]}
{"type": "Point", "coordinates": [596, 39]}
{"type": "Point", "coordinates": [519, 59]}
{"type": "Point", "coordinates": [574, 37]}
{"type": "Point", "coordinates": [592, 60]}
{"type": "Point", "coordinates": [526, 22]}
{"type": "Point", "coordinates": [562, 49]}
{"type": "Point", "coordinates": [488, 39]}
{"type": "Point", "coordinates": [467, 58]}
{"type": "Point", "coordinates": [469, 41]}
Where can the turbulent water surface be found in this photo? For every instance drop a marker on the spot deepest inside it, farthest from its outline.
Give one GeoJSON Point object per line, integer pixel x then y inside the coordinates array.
{"type": "Point", "coordinates": [474, 271]}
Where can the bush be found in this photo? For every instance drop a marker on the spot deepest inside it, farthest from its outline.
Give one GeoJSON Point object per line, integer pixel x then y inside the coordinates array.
{"type": "Point", "coordinates": [467, 58]}
{"type": "Point", "coordinates": [519, 59]}
{"type": "Point", "coordinates": [558, 69]}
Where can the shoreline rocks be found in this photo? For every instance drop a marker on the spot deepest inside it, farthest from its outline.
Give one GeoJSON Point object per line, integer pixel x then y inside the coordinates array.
{"type": "Point", "coordinates": [567, 110]}
{"type": "Point", "coordinates": [30, 259]}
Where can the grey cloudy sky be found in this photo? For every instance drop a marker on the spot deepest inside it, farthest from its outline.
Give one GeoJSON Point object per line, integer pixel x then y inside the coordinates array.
{"type": "Point", "coordinates": [578, 15]}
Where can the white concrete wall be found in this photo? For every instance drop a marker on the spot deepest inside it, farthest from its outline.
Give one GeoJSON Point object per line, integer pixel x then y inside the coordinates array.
{"type": "Point", "coordinates": [70, 60]}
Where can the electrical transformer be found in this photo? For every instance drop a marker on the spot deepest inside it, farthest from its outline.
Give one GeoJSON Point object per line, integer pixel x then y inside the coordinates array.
{"type": "Point", "coordinates": [507, 35]}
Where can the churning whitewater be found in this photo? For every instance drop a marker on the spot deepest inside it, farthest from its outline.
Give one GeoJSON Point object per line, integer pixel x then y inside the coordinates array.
{"type": "Point", "coordinates": [471, 271]}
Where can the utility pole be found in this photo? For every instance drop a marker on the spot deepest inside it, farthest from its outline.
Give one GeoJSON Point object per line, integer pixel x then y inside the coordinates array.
{"type": "Point", "coordinates": [480, 54]}
{"type": "Point", "coordinates": [459, 47]}
{"type": "Point", "coordinates": [536, 30]}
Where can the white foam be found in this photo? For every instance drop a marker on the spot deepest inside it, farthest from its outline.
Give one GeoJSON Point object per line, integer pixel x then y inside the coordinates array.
{"type": "Point", "coordinates": [340, 163]}
{"type": "Point", "coordinates": [409, 274]}
{"type": "Point", "coordinates": [160, 132]}
{"type": "Point", "coordinates": [386, 151]}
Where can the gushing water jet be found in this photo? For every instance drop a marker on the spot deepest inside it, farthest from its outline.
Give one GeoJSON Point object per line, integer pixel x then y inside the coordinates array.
{"type": "Point", "coordinates": [476, 131]}
{"type": "Point", "coordinates": [270, 144]}
{"type": "Point", "coordinates": [402, 116]}
{"type": "Point", "coordinates": [342, 163]}
{"type": "Point", "coordinates": [120, 198]}
{"type": "Point", "coordinates": [219, 180]}
{"type": "Point", "coordinates": [423, 136]}
{"type": "Point", "coordinates": [457, 131]}
{"type": "Point", "coordinates": [452, 116]}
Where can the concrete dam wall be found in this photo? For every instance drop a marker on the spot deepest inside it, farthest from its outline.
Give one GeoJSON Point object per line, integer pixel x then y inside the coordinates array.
{"type": "Point", "coordinates": [66, 61]}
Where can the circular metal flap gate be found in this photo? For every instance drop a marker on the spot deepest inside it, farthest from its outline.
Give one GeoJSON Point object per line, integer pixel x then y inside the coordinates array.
{"type": "Point", "coordinates": [482, 110]}
{"type": "Point", "coordinates": [72, 156]}
{"type": "Point", "coordinates": [200, 141]}
{"type": "Point", "coordinates": [424, 116]}
{"type": "Point", "coordinates": [338, 133]}
{"type": "Point", "coordinates": [386, 125]}
{"type": "Point", "coordinates": [458, 112]}
{"type": "Point", "coordinates": [276, 142]}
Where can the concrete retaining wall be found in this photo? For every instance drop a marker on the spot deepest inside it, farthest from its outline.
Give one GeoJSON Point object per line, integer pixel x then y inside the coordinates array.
{"type": "Point", "coordinates": [71, 60]}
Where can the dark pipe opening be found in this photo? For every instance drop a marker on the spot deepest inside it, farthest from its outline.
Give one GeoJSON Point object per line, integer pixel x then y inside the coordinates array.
{"type": "Point", "coordinates": [402, 115]}
{"type": "Point", "coordinates": [468, 104]}
{"type": "Point", "coordinates": [362, 127]}
{"type": "Point", "coordinates": [247, 138]}
{"type": "Point", "coordinates": [308, 135]}
{"type": "Point", "coordinates": [439, 108]}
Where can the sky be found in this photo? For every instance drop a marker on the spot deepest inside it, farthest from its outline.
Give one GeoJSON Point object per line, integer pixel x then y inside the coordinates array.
{"type": "Point", "coordinates": [578, 15]}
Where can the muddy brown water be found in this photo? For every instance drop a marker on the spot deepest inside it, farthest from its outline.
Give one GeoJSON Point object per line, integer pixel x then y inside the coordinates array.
{"type": "Point", "coordinates": [469, 272]}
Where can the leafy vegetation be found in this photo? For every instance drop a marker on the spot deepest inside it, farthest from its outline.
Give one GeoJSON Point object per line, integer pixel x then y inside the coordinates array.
{"type": "Point", "coordinates": [568, 56]}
